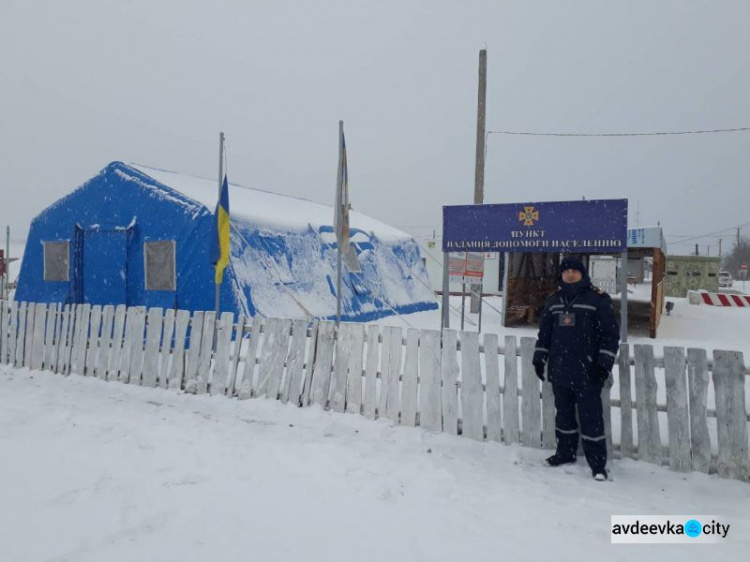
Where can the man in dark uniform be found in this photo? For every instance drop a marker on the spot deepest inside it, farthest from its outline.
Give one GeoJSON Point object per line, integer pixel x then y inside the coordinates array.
{"type": "Point", "coordinates": [578, 342]}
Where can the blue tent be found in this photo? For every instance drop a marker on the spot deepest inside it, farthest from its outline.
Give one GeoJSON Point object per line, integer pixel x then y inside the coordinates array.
{"type": "Point", "coordinates": [135, 235]}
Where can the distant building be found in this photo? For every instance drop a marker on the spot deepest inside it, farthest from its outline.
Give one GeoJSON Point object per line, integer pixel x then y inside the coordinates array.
{"type": "Point", "coordinates": [692, 273]}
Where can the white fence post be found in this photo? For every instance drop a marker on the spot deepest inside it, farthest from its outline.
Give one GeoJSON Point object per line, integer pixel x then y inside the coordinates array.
{"type": "Point", "coordinates": [273, 358]}
{"type": "Point", "coordinates": [223, 344]}
{"type": "Point", "coordinates": [371, 372]}
{"type": "Point", "coordinates": [296, 363]}
{"type": "Point", "coordinates": [430, 398]}
{"type": "Point", "coordinates": [151, 352]}
{"type": "Point", "coordinates": [472, 396]}
{"type": "Point", "coordinates": [356, 340]}
{"type": "Point", "coordinates": [206, 351]}
{"type": "Point", "coordinates": [409, 386]}
{"type": "Point", "coordinates": [530, 391]}
{"type": "Point", "coordinates": [449, 368]}
{"type": "Point", "coordinates": [177, 367]}
{"type": "Point", "coordinates": [511, 432]}
{"type": "Point", "coordinates": [700, 441]}
{"type": "Point", "coordinates": [627, 450]}
{"type": "Point", "coordinates": [731, 415]}
{"type": "Point", "coordinates": [678, 419]}
{"type": "Point", "coordinates": [93, 341]}
{"type": "Point", "coordinates": [165, 353]}
{"type": "Point", "coordinates": [649, 440]}
{"type": "Point", "coordinates": [105, 347]}
{"type": "Point", "coordinates": [36, 349]}
{"type": "Point", "coordinates": [246, 385]}
{"type": "Point", "coordinates": [494, 397]}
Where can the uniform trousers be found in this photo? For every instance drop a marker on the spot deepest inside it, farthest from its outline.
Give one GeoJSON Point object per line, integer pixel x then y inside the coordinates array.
{"type": "Point", "coordinates": [588, 399]}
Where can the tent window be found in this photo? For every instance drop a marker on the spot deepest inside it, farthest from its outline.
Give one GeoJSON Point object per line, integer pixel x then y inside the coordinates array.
{"type": "Point", "coordinates": [160, 257]}
{"type": "Point", "coordinates": [56, 259]}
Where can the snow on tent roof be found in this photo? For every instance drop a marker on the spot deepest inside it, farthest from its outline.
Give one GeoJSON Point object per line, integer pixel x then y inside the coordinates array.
{"type": "Point", "coordinates": [283, 251]}
{"type": "Point", "coordinates": [267, 208]}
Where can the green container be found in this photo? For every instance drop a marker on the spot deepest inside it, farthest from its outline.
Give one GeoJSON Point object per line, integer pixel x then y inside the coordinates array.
{"type": "Point", "coordinates": [691, 273]}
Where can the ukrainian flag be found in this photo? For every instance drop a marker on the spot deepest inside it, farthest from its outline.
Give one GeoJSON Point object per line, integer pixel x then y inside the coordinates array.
{"type": "Point", "coordinates": [220, 247]}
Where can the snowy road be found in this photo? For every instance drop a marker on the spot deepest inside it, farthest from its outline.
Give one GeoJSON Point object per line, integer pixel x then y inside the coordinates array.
{"type": "Point", "coordinates": [93, 471]}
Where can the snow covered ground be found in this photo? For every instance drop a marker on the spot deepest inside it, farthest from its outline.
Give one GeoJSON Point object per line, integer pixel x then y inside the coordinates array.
{"type": "Point", "coordinates": [92, 471]}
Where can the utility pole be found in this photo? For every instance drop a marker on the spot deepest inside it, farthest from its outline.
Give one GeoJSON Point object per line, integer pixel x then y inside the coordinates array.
{"type": "Point", "coordinates": [719, 247]}
{"type": "Point", "coordinates": [476, 288]}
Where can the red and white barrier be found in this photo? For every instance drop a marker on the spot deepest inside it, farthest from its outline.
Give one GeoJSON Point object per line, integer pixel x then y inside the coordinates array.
{"type": "Point", "coordinates": [724, 299]}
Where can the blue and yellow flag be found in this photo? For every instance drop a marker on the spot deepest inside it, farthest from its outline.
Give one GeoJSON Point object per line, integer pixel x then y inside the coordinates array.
{"type": "Point", "coordinates": [220, 247]}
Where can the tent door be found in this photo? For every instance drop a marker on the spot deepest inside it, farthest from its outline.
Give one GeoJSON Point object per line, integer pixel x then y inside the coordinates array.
{"type": "Point", "coordinates": [105, 266]}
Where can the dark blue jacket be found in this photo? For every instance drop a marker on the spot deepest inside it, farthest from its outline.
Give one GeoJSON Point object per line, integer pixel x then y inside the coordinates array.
{"type": "Point", "coordinates": [578, 335]}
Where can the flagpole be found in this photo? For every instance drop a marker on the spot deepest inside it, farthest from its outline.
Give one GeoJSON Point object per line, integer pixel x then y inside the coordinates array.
{"type": "Point", "coordinates": [340, 225]}
{"type": "Point", "coordinates": [221, 177]}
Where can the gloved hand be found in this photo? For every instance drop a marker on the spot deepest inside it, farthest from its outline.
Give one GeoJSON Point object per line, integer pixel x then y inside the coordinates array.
{"type": "Point", "coordinates": [603, 367]}
{"type": "Point", "coordinates": [539, 362]}
{"type": "Point", "coordinates": [601, 374]}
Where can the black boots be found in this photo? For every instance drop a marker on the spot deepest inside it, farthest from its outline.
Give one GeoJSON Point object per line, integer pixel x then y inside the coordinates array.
{"type": "Point", "coordinates": [557, 460]}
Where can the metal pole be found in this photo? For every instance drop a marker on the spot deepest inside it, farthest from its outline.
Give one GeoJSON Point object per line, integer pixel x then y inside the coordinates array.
{"type": "Point", "coordinates": [446, 293]}
{"type": "Point", "coordinates": [479, 329]}
{"type": "Point", "coordinates": [3, 276]}
{"type": "Point", "coordinates": [624, 297]}
{"type": "Point", "coordinates": [338, 285]}
{"type": "Point", "coordinates": [506, 272]}
{"type": "Point", "coordinates": [218, 287]}
{"type": "Point", "coordinates": [6, 290]}
{"type": "Point", "coordinates": [339, 228]}
{"type": "Point", "coordinates": [463, 303]}
{"type": "Point", "coordinates": [221, 177]}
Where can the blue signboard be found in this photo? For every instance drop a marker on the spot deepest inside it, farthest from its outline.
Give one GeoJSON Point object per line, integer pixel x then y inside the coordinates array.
{"type": "Point", "coordinates": [598, 226]}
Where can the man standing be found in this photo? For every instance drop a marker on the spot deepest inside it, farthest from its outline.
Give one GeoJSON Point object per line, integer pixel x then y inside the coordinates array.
{"type": "Point", "coordinates": [578, 342]}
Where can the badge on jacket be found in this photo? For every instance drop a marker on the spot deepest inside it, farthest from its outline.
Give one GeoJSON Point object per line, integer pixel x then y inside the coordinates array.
{"type": "Point", "coordinates": [567, 319]}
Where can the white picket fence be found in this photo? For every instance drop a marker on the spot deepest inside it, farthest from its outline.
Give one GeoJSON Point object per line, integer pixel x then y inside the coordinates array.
{"type": "Point", "coordinates": [449, 381]}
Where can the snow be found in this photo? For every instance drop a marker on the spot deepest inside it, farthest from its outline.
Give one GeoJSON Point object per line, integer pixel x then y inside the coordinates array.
{"type": "Point", "coordinates": [96, 471]}
{"type": "Point", "coordinates": [267, 208]}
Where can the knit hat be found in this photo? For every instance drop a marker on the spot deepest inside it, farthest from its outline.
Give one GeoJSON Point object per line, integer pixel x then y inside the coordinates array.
{"type": "Point", "coordinates": [571, 262]}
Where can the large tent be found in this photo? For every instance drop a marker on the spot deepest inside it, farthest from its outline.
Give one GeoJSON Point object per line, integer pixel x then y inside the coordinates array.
{"type": "Point", "coordinates": [136, 235]}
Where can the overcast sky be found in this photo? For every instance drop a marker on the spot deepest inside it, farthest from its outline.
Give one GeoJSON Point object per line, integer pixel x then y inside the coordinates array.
{"type": "Point", "coordinates": [86, 82]}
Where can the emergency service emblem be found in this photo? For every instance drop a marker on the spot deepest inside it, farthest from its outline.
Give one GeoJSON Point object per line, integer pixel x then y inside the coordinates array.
{"type": "Point", "coordinates": [528, 216]}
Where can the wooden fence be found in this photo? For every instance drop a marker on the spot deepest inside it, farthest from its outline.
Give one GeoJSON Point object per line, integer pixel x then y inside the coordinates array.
{"type": "Point", "coordinates": [453, 382]}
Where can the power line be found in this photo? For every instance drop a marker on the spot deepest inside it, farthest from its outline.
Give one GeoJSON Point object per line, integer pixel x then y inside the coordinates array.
{"type": "Point", "coordinates": [714, 233]}
{"type": "Point", "coordinates": [648, 134]}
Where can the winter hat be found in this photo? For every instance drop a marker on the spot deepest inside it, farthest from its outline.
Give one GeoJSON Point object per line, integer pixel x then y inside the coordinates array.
{"type": "Point", "coordinates": [571, 262]}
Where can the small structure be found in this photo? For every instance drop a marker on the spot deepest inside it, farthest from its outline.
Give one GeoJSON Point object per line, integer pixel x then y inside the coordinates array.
{"type": "Point", "coordinates": [648, 243]}
{"type": "Point", "coordinates": [692, 273]}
